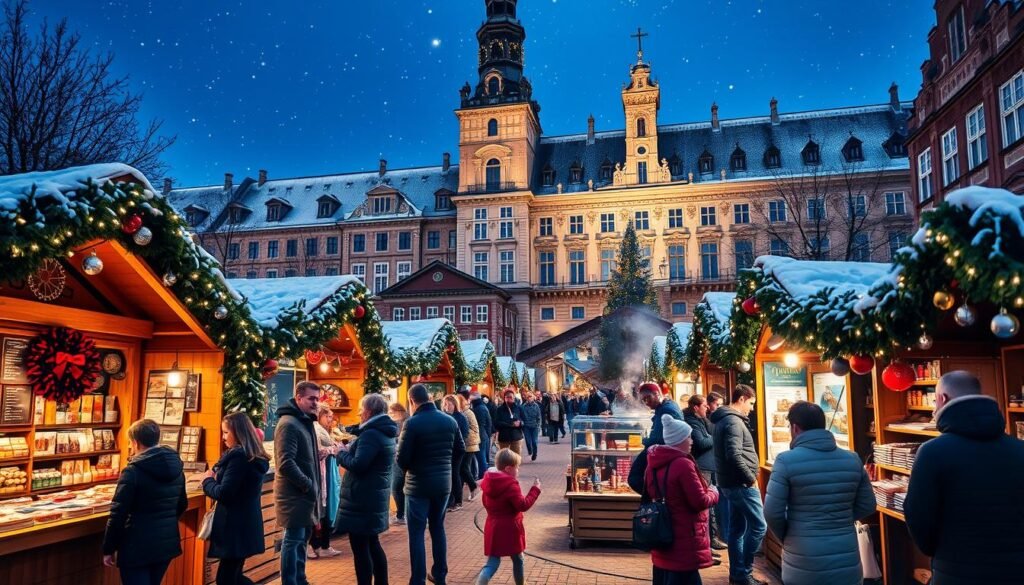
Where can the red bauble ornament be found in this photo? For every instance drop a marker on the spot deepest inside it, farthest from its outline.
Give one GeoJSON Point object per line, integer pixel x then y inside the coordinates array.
{"type": "Point", "coordinates": [131, 224]}
{"type": "Point", "coordinates": [665, 388]}
{"type": "Point", "coordinates": [954, 284]}
{"type": "Point", "coordinates": [314, 357]}
{"type": "Point", "coordinates": [750, 306]}
{"type": "Point", "coordinates": [269, 369]}
{"type": "Point", "coordinates": [360, 311]}
{"type": "Point", "coordinates": [898, 376]}
{"type": "Point", "coordinates": [861, 364]}
{"type": "Point", "coordinates": [451, 349]}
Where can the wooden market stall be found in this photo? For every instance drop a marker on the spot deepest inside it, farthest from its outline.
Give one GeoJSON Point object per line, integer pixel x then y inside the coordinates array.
{"type": "Point", "coordinates": [425, 352]}
{"type": "Point", "coordinates": [485, 375]}
{"type": "Point", "coordinates": [682, 378]}
{"type": "Point", "coordinates": [80, 281]}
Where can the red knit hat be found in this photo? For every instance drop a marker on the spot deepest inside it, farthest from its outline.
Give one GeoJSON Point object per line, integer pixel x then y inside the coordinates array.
{"type": "Point", "coordinates": [650, 387]}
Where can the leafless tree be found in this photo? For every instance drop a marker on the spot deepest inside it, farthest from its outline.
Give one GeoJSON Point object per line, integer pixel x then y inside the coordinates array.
{"type": "Point", "coordinates": [217, 241]}
{"type": "Point", "coordinates": [61, 106]}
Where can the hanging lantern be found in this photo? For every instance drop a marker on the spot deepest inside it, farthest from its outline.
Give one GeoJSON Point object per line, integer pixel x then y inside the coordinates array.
{"type": "Point", "coordinates": [170, 278]}
{"type": "Point", "coordinates": [898, 376]}
{"type": "Point", "coordinates": [925, 341]}
{"type": "Point", "coordinates": [965, 315]}
{"type": "Point", "coordinates": [360, 311]}
{"type": "Point", "coordinates": [269, 369]}
{"type": "Point", "coordinates": [750, 306]}
{"type": "Point", "coordinates": [861, 364]}
{"type": "Point", "coordinates": [131, 224]}
{"type": "Point", "coordinates": [840, 367]}
{"type": "Point", "coordinates": [743, 366]}
{"type": "Point", "coordinates": [943, 300]}
{"type": "Point", "coordinates": [92, 265]}
{"type": "Point", "coordinates": [143, 237]}
{"type": "Point", "coordinates": [1004, 325]}
{"type": "Point", "coordinates": [221, 312]}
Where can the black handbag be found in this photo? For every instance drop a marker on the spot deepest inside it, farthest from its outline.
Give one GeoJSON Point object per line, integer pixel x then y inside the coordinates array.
{"type": "Point", "coordinates": [652, 522]}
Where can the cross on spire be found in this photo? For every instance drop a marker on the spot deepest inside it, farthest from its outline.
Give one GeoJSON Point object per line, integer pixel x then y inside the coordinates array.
{"type": "Point", "coordinates": [639, 36]}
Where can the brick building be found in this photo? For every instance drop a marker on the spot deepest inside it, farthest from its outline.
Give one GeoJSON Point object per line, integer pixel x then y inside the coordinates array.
{"type": "Point", "coordinates": [968, 123]}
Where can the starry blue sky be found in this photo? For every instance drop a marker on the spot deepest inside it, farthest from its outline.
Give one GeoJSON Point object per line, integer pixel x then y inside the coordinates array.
{"type": "Point", "coordinates": [325, 86]}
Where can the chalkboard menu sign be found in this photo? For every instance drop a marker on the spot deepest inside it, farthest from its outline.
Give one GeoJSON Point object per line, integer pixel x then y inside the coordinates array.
{"type": "Point", "coordinates": [16, 405]}
{"type": "Point", "coordinates": [11, 370]}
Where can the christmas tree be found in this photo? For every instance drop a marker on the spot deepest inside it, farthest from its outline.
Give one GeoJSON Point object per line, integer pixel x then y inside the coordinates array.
{"type": "Point", "coordinates": [630, 282]}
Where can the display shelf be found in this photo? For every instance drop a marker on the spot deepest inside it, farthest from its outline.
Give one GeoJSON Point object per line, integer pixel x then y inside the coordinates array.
{"type": "Point", "coordinates": [926, 382]}
{"type": "Point", "coordinates": [891, 513]}
{"type": "Point", "coordinates": [14, 461]}
{"type": "Point", "coordinates": [595, 495]}
{"type": "Point", "coordinates": [923, 433]}
{"type": "Point", "coordinates": [74, 486]}
{"type": "Point", "coordinates": [1016, 409]}
{"type": "Point", "coordinates": [922, 408]}
{"type": "Point", "coordinates": [15, 428]}
{"type": "Point", "coordinates": [619, 452]}
{"type": "Point", "coordinates": [79, 455]}
{"type": "Point", "coordinates": [72, 426]}
{"type": "Point", "coordinates": [893, 468]}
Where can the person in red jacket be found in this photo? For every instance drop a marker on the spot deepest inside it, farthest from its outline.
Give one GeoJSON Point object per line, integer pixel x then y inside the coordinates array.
{"type": "Point", "coordinates": [672, 473]}
{"type": "Point", "coordinates": [504, 533]}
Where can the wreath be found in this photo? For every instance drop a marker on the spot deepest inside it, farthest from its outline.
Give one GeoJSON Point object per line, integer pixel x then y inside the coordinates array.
{"type": "Point", "coordinates": [61, 364]}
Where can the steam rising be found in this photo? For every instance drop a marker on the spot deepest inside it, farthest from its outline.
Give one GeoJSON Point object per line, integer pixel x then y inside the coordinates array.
{"type": "Point", "coordinates": [630, 335]}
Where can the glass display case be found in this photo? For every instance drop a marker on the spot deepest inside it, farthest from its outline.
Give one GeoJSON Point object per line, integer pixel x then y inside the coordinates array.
{"type": "Point", "coordinates": [601, 505]}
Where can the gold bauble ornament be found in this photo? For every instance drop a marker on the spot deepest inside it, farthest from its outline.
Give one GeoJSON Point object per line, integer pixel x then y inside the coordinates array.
{"type": "Point", "coordinates": [943, 300]}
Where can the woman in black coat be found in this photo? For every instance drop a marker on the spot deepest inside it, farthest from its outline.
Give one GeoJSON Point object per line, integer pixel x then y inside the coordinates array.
{"type": "Point", "coordinates": [366, 488]}
{"type": "Point", "coordinates": [236, 483]}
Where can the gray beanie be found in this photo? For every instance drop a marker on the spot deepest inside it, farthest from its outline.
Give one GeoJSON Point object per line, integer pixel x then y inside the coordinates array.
{"type": "Point", "coordinates": [675, 430]}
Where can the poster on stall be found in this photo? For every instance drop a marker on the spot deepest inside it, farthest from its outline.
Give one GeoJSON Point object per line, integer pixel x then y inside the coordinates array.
{"type": "Point", "coordinates": [11, 370]}
{"type": "Point", "coordinates": [783, 387]}
{"type": "Point", "coordinates": [830, 395]}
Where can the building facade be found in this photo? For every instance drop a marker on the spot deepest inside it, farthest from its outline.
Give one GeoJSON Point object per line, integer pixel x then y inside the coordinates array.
{"type": "Point", "coordinates": [968, 122]}
{"type": "Point", "coordinates": [542, 217]}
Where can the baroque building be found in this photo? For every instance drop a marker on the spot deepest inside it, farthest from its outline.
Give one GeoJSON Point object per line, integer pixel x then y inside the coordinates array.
{"type": "Point", "coordinates": [540, 218]}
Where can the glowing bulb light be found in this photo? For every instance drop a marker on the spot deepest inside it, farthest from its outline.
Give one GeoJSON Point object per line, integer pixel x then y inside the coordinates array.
{"type": "Point", "coordinates": [791, 360]}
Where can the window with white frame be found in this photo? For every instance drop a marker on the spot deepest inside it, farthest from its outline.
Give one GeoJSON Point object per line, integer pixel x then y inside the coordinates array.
{"type": "Point", "coordinates": [642, 220]}
{"type": "Point", "coordinates": [505, 226]}
{"type": "Point", "coordinates": [480, 260]}
{"type": "Point", "coordinates": [896, 241]}
{"type": "Point", "coordinates": [398, 314]}
{"type": "Point", "coordinates": [546, 226]}
{"type": "Point", "coordinates": [741, 213]}
{"type": "Point", "coordinates": [483, 313]}
{"type": "Point", "coordinates": [821, 247]}
{"type": "Point", "coordinates": [415, 313]}
{"type": "Point", "coordinates": [677, 261]}
{"type": "Point", "coordinates": [480, 223]}
{"type": "Point", "coordinates": [777, 211]}
{"type": "Point", "coordinates": [577, 267]}
{"type": "Point", "coordinates": [465, 313]}
{"type": "Point", "coordinates": [924, 175]}
{"type": "Point", "coordinates": [816, 209]}
{"type": "Point", "coordinates": [449, 312]}
{"type": "Point", "coordinates": [380, 276]}
{"type": "Point", "coordinates": [359, 271]}
{"type": "Point", "coordinates": [271, 273]}
{"type": "Point", "coordinates": [861, 251]}
{"type": "Point", "coordinates": [507, 266]}
{"type": "Point", "coordinates": [575, 224]}
{"type": "Point", "coordinates": [778, 247]}
{"type": "Point", "coordinates": [546, 262]}
{"type": "Point", "coordinates": [607, 263]}
{"type": "Point", "coordinates": [1011, 101]}
{"type": "Point", "coordinates": [481, 335]}
{"type": "Point", "coordinates": [678, 309]}
{"type": "Point", "coordinates": [743, 253]}
{"type": "Point", "coordinates": [675, 218]}
{"type": "Point", "coordinates": [977, 149]}
{"type": "Point", "coordinates": [950, 161]}
{"type": "Point", "coordinates": [957, 35]}
{"type": "Point", "coordinates": [895, 203]}
{"type": "Point", "coordinates": [709, 215]}
{"type": "Point", "coordinates": [607, 223]}
{"type": "Point", "coordinates": [403, 269]}
{"type": "Point", "coordinates": [381, 205]}
{"type": "Point", "coordinates": [431, 312]}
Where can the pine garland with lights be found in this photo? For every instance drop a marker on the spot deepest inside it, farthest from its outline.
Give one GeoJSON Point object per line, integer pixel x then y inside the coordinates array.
{"type": "Point", "coordinates": [476, 372]}
{"type": "Point", "coordinates": [417, 362]}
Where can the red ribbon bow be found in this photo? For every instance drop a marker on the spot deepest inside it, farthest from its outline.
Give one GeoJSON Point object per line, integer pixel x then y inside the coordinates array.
{"type": "Point", "coordinates": [75, 360]}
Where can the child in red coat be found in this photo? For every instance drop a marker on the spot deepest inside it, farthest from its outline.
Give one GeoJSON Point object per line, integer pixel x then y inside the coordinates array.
{"type": "Point", "coordinates": [504, 533]}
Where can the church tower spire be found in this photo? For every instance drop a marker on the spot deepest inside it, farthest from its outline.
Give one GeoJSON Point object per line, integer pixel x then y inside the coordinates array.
{"type": "Point", "coordinates": [641, 100]}
{"type": "Point", "coordinates": [501, 57]}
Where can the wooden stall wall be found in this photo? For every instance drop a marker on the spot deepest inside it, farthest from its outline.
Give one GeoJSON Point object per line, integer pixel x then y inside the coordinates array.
{"type": "Point", "coordinates": [350, 381]}
{"type": "Point", "coordinates": [208, 364]}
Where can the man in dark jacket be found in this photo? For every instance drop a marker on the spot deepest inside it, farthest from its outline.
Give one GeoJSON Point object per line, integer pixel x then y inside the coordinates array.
{"type": "Point", "coordinates": [736, 466]}
{"type": "Point", "coordinates": [553, 413]}
{"type": "Point", "coordinates": [598, 402]}
{"type": "Point", "coordinates": [483, 420]}
{"type": "Point", "coordinates": [963, 506]}
{"type": "Point", "coordinates": [429, 443]}
{"type": "Point", "coordinates": [532, 419]}
{"type": "Point", "coordinates": [142, 529]}
{"type": "Point", "coordinates": [696, 415]}
{"type": "Point", "coordinates": [650, 395]}
{"type": "Point", "coordinates": [508, 420]}
{"type": "Point", "coordinates": [297, 480]}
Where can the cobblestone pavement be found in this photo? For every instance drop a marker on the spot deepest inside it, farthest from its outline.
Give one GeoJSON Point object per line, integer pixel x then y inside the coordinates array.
{"type": "Point", "coordinates": [549, 559]}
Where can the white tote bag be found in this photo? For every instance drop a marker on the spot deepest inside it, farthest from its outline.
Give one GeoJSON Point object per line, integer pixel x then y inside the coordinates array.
{"type": "Point", "coordinates": [868, 560]}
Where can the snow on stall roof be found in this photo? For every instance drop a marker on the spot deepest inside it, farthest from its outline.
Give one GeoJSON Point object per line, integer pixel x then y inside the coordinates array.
{"type": "Point", "coordinates": [505, 364]}
{"type": "Point", "coordinates": [474, 350]}
{"type": "Point", "coordinates": [988, 200]}
{"type": "Point", "coordinates": [267, 297]}
{"type": "Point", "coordinates": [803, 278]}
{"type": "Point", "coordinates": [412, 335]}
{"type": "Point", "coordinates": [721, 306]}
{"type": "Point", "coordinates": [682, 331]}
{"type": "Point", "coordinates": [660, 344]}
{"type": "Point", "coordinates": [62, 184]}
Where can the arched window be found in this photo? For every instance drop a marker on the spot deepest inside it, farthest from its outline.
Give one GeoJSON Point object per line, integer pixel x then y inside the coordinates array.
{"type": "Point", "coordinates": [641, 127]}
{"type": "Point", "coordinates": [493, 175]}
{"type": "Point", "coordinates": [496, 51]}
{"type": "Point", "coordinates": [492, 127]}
{"type": "Point", "coordinates": [493, 86]}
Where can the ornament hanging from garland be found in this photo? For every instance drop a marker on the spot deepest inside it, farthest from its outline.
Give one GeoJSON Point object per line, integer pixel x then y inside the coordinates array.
{"type": "Point", "coordinates": [1004, 325]}
{"type": "Point", "coordinates": [269, 369]}
{"type": "Point", "coordinates": [744, 366]}
{"type": "Point", "coordinates": [143, 237]}
{"type": "Point", "coordinates": [861, 364]}
{"type": "Point", "coordinates": [314, 357]}
{"type": "Point", "coordinates": [359, 312]}
{"type": "Point", "coordinates": [965, 315]}
{"type": "Point", "coordinates": [840, 367]}
{"type": "Point", "coordinates": [925, 341]}
{"type": "Point", "coordinates": [131, 224]}
{"type": "Point", "coordinates": [92, 265]}
{"type": "Point", "coordinates": [170, 278]}
{"type": "Point", "coordinates": [61, 364]}
{"type": "Point", "coordinates": [750, 306]}
{"type": "Point", "coordinates": [47, 283]}
{"type": "Point", "coordinates": [898, 376]}
{"type": "Point", "coordinates": [394, 383]}
{"type": "Point", "coordinates": [943, 300]}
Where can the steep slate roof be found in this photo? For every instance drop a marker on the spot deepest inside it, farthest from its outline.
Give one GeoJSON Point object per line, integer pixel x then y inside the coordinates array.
{"type": "Point", "coordinates": [212, 199]}
{"type": "Point", "coordinates": [416, 185]}
{"type": "Point", "coordinates": [830, 129]}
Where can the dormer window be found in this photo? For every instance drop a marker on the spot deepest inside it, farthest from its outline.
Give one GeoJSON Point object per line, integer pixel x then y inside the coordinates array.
{"type": "Point", "coordinates": [274, 212]}
{"type": "Point", "coordinates": [236, 215]}
{"type": "Point", "coordinates": [575, 173]}
{"type": "Point", "coordinates": [811, 153]}
{"type": "Point", "coordinates": [853, 150]}
{"type": "Point", "coordinates": [895, 146]}
{"type": "Point", "coordinates": [192, 217]}
{"type": "Point", "coordinates": [325, 208]}
{"type": "Point", "coordinates": [772, 157]}
{"type": "Point", "coordinates": [706, 162]}
{"type": "Point", "coordinates": [492, 127]}
{"type": "Point", "coordinates": [548, 176]}
{"type": "Point", "coordinates": [606, 170]}
{"type": "Point", "coordinates": [641, 127]}
{"type": "Point", "coordinates": [381, 205]}
{"type": "Point", "coordinates": [442, 201]}
{"type": "Point", "coordinates": [738, 160]}
{"type": "Point", "coordinates": [675, 165]}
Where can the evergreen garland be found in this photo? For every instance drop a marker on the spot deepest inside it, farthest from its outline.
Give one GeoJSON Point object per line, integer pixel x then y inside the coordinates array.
{"type": "Point", "coordinates": [416, 362]}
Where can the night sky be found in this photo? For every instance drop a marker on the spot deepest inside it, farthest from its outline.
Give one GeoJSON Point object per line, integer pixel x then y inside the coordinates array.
{"type": "Point", "coordinates": [314, 86]}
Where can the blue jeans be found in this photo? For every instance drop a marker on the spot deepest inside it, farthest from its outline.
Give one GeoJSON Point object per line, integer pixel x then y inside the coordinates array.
{"type": "Point", "coordinates": [746, 529]}
{"type": "Point", "coordinates": [483, 456]}
{"type": "Point", "coordinates": [531, 434]}
{"type": "Point", "coordinates": [421, 512]}
{"type": "Point", "coordinates": [293, 555]}
{"type": "Point", "coordinates": [492, 565]}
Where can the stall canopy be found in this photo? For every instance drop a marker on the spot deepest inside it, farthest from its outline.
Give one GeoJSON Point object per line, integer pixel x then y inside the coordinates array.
{"type": "Point", "coordinates": [481, 361]}
{"type": "Point", "coordinates": [675, 350]}
{"type": "Point", "coordinates": [418, 348]}
{"type": "Point", "coordinates": [710, 335]}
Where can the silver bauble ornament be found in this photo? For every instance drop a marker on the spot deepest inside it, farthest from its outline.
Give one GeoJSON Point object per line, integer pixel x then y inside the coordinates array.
{"type": "Point", "coordinates": [743, 367]}
{"type": "Point", "coordinates": [221, 312]}
{"type": "Point", "coordinates": [143, 237]}
{"type": "Point", "coordinates": [925, 341]}
{"type": "Point", "coordinates": [92, 265]}
{"type": "Point", "coordinates": [965, 315]}
{"type": "Point", "coordinates": [1004, 325]}
{"type": "Point", "coordinates": [170, 278]}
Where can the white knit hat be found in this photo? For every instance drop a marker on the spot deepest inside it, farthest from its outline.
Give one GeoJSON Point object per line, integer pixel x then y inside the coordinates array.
{"type": "Point", "coordinates": [675, 430]}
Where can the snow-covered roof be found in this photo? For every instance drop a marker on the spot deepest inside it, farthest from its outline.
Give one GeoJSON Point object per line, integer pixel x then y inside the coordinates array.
{"type": "Point", "coordinates": [268, 297]}
{"type": "Point", "coordinates": [531, 377]}
{"type": "Point", "coordinates": [803, 278]}
{"type": "Point", "coordinates": [659, 347]}
{"type": "Point", "coordinates": [682, 331]}
{"type": "Point", "coordinates": [415, 335]}
{"type": "Point", "coordinates": [721, 304]}
{"type": "Point", "coordinates": [61, 185]}
{"type": "Point", "coordinates": [476, 351]}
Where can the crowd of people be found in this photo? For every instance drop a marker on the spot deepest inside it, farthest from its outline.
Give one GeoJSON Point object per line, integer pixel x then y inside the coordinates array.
{"type": "Point", "coordinates": [699, 462]}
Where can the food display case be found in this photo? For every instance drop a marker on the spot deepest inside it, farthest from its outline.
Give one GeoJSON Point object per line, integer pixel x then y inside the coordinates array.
{"type": "Point", "coordinates": [601, 505]}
